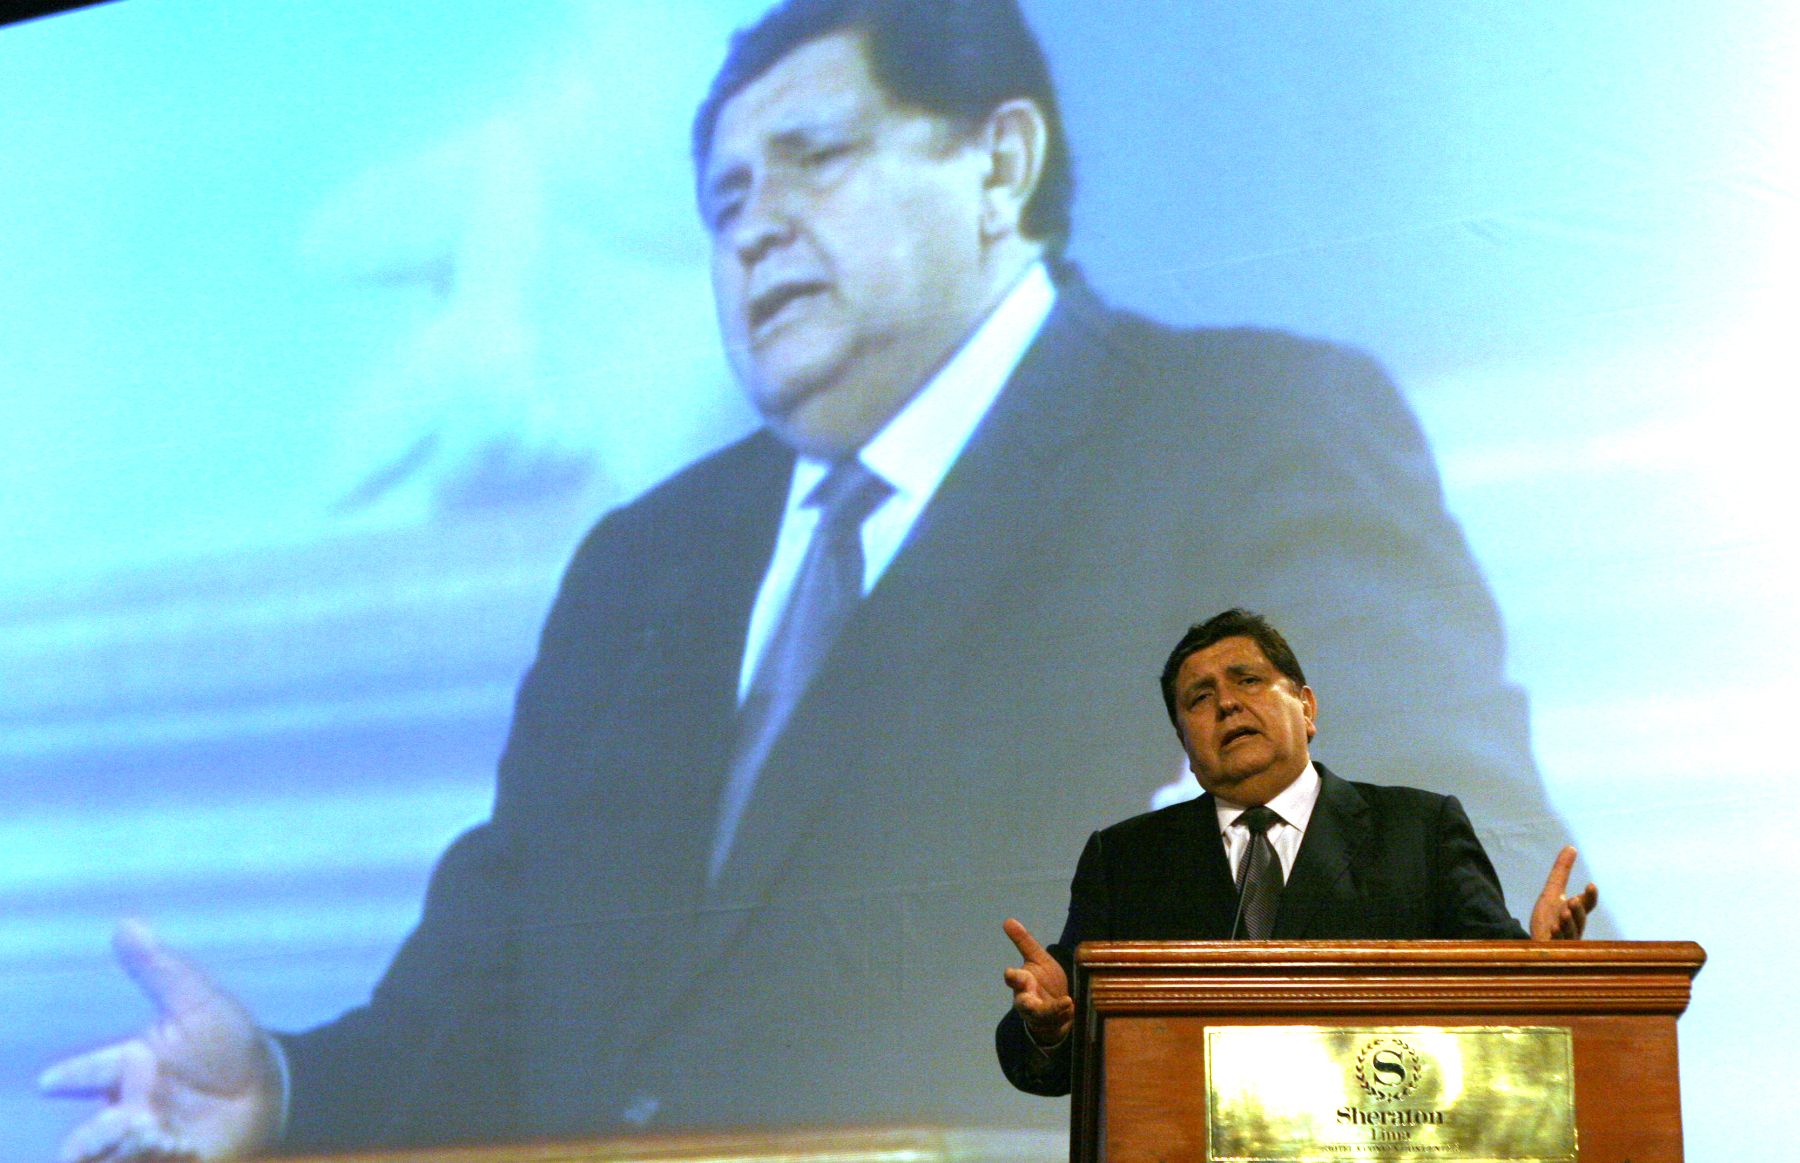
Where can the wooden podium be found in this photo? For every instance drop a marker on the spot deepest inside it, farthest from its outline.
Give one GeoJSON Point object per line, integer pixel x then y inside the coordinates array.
{"type": "Point", "coordinates": [1571, 1039]}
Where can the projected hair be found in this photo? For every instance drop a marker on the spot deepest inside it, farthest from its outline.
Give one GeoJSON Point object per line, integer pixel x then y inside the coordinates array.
{"type": "Point", "coordinates": [1233, 623]}
{"type": "Point", "coordinates": [955, 59]}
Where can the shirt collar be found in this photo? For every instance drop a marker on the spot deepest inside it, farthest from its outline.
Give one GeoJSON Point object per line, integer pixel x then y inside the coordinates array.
{"type": "Point", "coordinates": [914, 450]}
{"type": "Point", "coordinates": [1294, 803]}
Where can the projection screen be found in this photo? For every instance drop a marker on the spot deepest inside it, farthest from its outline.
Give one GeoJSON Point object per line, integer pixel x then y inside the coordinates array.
{"type": "Point", "coordinates": [330, 330]}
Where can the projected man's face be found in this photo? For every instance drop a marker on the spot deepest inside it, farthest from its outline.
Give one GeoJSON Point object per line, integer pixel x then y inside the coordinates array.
{"type": "Point", "coordinates": [1244, 724]}
{"type": "Point", "coordinates": [846, 244]}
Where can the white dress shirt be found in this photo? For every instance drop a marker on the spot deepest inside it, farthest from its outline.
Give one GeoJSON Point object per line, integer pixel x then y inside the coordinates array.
{"type": "Point", "coordinates": [913, 453]}
{"type": "Point", "coordinates": [1295, 807]}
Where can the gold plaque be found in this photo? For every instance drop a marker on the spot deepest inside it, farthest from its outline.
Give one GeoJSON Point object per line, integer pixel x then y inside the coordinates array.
{"type": "Point", "coordinates": [1303, 1094]}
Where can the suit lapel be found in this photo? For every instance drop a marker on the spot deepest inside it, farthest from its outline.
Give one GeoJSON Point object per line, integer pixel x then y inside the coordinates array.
{"type": "Point", "coordinates": [686, 665]}
{"type": "Point", "coordinates": [1211, 906]}
{"type": "Point", "coordinates": [1008, 490]}
{"type": "Point", "coordinates": [1339, 837]}
{"type": "Point", "coordinates": [1000, 499]}
{"type": "Point", "coordinates": [1005, 491]}
{"type": "Point", "coordinates": [710, 616]}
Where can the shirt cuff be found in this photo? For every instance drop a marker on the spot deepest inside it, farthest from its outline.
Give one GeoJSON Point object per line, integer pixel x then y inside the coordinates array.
{"type": "Point", "coordinates": [284, 1074]}
{"type": "Point", "coordinates": [1041, 1048]}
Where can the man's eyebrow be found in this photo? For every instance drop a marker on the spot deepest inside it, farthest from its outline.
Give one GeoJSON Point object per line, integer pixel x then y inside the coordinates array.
{"type": "Point", "coordinates": [791, 139]}
{"type": "Point", "coordinates": [1233, 670]}
{"type": "Point", "coordinates": [797, 132]}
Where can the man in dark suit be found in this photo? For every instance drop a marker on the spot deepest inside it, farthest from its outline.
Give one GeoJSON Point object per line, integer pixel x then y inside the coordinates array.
{"type": "Point", "coordinates": [1277, 848]}
{"type": "Point", "coordinates": [743, 860]}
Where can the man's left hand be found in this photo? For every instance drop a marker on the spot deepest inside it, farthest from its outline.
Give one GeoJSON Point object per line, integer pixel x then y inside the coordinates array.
{"type": "Point", "coordinates": [1559, 917]}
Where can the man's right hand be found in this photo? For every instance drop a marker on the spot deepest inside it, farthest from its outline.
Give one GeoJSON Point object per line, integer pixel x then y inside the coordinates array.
{"type": "Point", "coordinates": [201, 1082]}
{"type": "Point", "coordinates": [1040, 989]}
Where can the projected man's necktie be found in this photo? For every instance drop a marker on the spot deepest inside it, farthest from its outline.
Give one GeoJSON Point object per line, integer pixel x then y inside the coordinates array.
{"type": "Point", "coordinates": [825, 592]}
{"type": "Point", "coordinates": [1259, 875]}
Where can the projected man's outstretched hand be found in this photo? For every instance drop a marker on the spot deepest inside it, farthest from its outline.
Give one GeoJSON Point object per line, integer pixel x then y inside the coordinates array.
{"type": "Point", "coordinates": [200, 1082]}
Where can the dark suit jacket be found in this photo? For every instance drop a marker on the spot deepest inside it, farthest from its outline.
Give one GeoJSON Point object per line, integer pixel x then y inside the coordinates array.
{"type": "Point", "coordinates": [1376, 863]}
{"type": "Point", "coordinates": [995, 693]}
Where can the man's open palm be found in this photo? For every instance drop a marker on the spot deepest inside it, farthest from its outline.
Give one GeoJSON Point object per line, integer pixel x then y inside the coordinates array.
{"type": "Point", "coordinates": [199, 1082]}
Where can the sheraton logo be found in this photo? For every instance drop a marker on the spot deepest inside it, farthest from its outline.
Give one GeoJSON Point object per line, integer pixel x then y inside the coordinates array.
{"type": "Point", "coordinates": [1389, 1069]}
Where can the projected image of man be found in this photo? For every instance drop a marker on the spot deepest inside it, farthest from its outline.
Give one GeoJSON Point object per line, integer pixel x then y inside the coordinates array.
{"type": "Point", "coordinates": [807, 716]}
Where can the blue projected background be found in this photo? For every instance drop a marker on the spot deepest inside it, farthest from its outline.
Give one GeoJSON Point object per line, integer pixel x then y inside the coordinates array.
{"type": "Point", "coordinates": [327, 329]}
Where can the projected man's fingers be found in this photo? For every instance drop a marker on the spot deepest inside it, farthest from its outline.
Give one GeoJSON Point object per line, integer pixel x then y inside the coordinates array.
{"type": "Point", "coordinates": [91, 1075]}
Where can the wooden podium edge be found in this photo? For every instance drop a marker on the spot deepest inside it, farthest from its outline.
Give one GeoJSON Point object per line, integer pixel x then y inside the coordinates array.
{"type": "Point", "coordinates": [1398, 977]}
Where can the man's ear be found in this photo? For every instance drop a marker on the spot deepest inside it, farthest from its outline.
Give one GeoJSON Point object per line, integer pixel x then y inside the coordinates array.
{"type": "Point", "coordinates": [1014, 139]}
{"type": "Point", "coordinates": [1310, 703]}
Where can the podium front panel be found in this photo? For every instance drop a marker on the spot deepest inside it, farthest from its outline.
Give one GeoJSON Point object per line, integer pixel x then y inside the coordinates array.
{"type": "Point", "coordinates": [1149, 1012]}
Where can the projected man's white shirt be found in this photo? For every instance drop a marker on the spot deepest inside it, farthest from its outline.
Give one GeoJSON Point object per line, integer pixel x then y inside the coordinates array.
{"type": "Point", "coordinates": [913, 453]}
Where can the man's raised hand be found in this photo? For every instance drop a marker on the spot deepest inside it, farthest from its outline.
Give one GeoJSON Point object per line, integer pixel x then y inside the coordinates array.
{"type": "Point", "coordinates": [1040, 989]}
{"type": "Point", "coordinates": [200, 1082]}
{"type": "Point", "coordinates": [1559, 917]}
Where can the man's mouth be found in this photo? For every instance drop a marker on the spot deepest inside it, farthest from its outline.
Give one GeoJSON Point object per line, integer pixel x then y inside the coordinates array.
{"type": "Point", "coordinates": [768, 307]}
{"type": "Point", "coordinates": [1233, 735]}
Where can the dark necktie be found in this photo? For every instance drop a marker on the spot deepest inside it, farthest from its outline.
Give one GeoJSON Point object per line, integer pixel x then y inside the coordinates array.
{"type": "Point", "coordinates": [825, 593]}
{"type": "Point", "coordinates": [1259, 875]}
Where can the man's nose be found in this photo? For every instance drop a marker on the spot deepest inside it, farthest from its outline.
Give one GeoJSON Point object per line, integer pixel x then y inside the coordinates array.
{"type": "Point", "coordinates": [764, 221]}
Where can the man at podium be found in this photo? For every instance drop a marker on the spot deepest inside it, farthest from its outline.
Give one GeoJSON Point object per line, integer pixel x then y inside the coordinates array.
{"type": "Point", "coordinates": [1279, 847]}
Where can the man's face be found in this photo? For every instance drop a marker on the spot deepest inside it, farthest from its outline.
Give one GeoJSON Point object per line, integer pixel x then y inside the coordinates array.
{"type": "Point", "coordinates": [1244, 724]}
{"type": "Point", "coordinates": [847, 248]}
